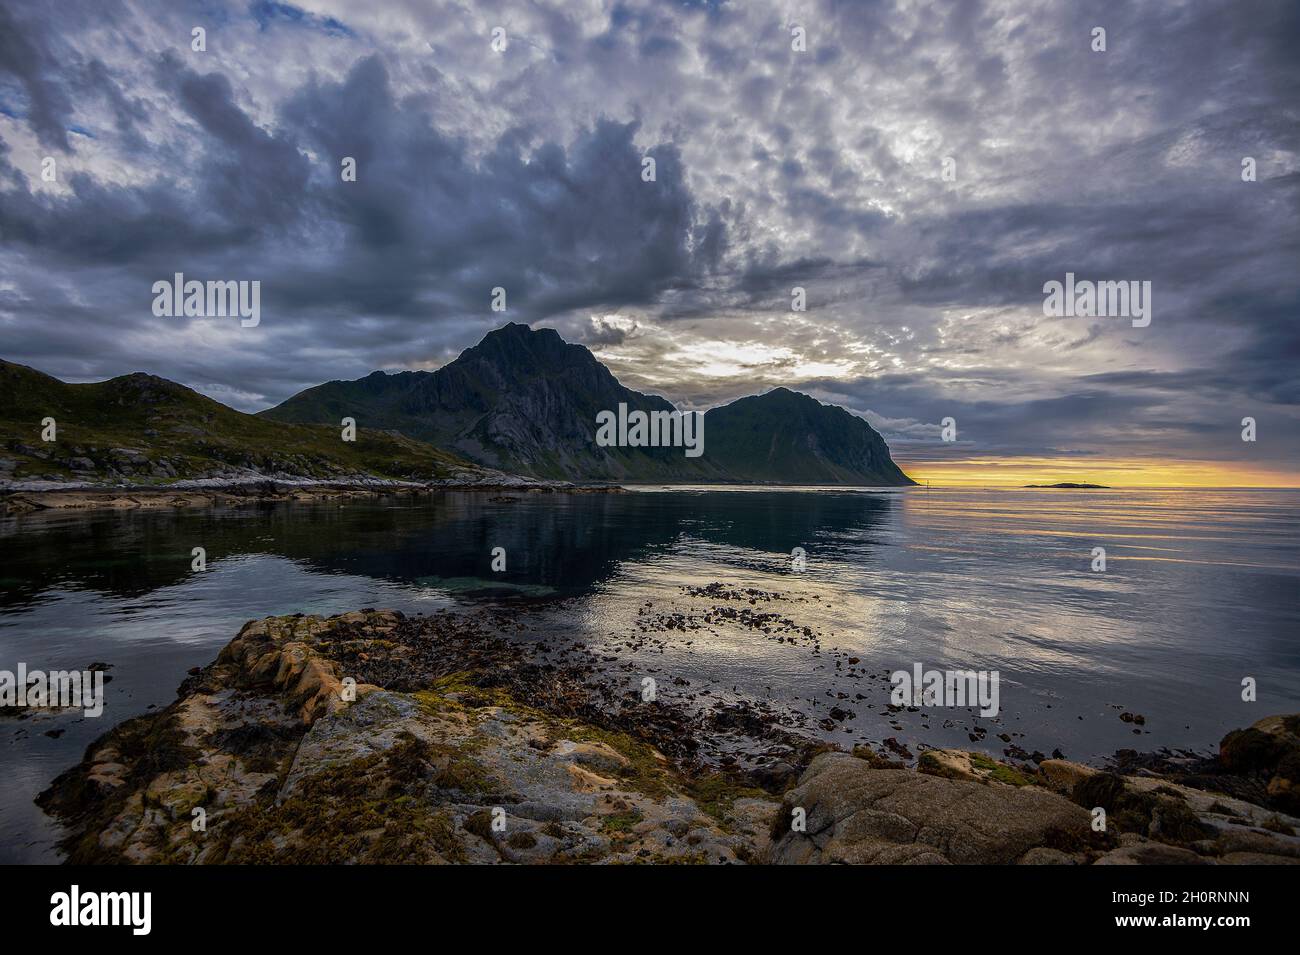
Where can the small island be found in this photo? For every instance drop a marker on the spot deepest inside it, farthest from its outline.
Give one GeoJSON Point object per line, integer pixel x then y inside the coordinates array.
{"type": "Point", "coordinates": [1070, 484]}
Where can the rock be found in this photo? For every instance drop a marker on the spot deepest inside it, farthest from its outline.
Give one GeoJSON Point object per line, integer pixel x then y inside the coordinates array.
{"type": "Point", "coordinates": [946, 763]}
{"type": "Point", "coordinates": [858, 814]}
{"type": "Point", "coordinates": [1270, 748]}
{"type": "Point", "coordinates": [1208, 804]}
{"type": "Point", "coordinates": [1256, 858]}
{"type": "Point", "coordinates": [597, 757]}
{"type": "Point", "coordinates": [447, 764]}
{"type": "Point", "coordinates": [1044, 856]}
{"type": "Point", "coordinates": [775, 776]}
{"type": "Point", "coordinates": [1063, 775]}
{"type": "Point", "coordinates": [1159, 813]}
{"type": "Point", "coordinates": [108, 775]}
{"type": "Point", "coordinates": [1146, 811]}
{"type": "Point", "coordinates": [1256, 842]}
{"type": "Point", "coordinates": [1150, 853]}
{"type": "Point", "coordinates": [287, 770]}
{"type": "Point", "coordinates": [897, 748]}
{"type": "Point", "coordinates": [961, 764]}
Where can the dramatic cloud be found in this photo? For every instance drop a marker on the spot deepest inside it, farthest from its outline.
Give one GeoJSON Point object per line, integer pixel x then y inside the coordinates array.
{"type": "Point", "coordinates": [774, 168]}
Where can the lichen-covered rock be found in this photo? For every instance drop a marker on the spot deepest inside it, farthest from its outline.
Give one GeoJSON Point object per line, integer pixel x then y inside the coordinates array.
{"type": "Point", "coordinates": [1063, 775]}
{"type": "Point", "coordinates": [972, 766]}
{"type": "Point", "coordinates": [269, 757]}
{"type": "Point", "coordinates": [857, 814]}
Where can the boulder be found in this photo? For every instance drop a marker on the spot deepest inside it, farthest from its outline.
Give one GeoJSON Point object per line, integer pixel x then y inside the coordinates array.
{"type": "Point", "coordinates": [1270, 750]}
{"type": "Point", "coordinates": [1151, 853]}
{"type": "Point", "coordinates": [1041, 855]}
{"type": "Point", "coordinates": [857, 814]}
{"type": "Point", "coordinates": [1256, 858]}
{"type": "Point", "coordinates": [1063, 775]}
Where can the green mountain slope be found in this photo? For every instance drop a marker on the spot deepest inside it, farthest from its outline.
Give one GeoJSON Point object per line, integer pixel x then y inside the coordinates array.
{"type": "Point", "coordinates": [147, 429]}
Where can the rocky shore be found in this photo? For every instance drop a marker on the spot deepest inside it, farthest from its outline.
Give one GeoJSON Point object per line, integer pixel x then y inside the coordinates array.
{"type": "Point", "coordinates": [376, 737]}
{"type": "Point", "coordinates": [25, 496]}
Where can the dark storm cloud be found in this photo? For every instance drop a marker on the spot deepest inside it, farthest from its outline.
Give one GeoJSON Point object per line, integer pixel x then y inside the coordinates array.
{"type": "Point", "coordinates": [774, 169]}
{"type": "Point", "coordinates": [423, 235]}
{"type": "Point", "coordinates": [26, 60]}
{"type": "Point", "coordinates": [250, 177]}
{"type": "Point", "coordinates": [557, 228]}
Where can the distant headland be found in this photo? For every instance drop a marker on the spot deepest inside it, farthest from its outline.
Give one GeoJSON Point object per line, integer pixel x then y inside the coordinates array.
{"type": "Point", "coordinates": [1070, 484]}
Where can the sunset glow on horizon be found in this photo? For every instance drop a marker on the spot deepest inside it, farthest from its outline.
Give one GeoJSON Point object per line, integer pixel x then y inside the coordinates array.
{"type": "Point", "coordinates": [1018, 472]}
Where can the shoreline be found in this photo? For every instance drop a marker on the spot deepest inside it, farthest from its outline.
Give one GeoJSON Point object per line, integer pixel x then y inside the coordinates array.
{"type": "Point", "coordinates": [28, 496]}
{"type": "Point", "coordinates": [452, 728]}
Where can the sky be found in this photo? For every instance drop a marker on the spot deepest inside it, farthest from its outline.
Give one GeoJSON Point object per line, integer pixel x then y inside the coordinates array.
{"type": "Point", "coordinates": [921, 171]}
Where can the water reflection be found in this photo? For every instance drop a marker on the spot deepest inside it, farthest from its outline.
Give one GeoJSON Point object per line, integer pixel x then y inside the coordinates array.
{"type": "Point", "coordinates": [995, 580]}
{"type": "Point", "coordinates": [556, 545]}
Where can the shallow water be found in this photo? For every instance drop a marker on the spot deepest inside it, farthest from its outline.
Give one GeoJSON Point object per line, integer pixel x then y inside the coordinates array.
{"type": "Point", "coordinates": [1200, 591]}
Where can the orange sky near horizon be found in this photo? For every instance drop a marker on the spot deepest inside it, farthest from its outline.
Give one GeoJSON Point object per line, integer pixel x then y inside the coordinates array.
{"type": "Point", "coordinates": [1017, 472]}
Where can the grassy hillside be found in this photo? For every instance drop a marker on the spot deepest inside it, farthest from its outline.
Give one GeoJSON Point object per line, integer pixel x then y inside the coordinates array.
{"type": "Point", "coordinates": [146, 429]}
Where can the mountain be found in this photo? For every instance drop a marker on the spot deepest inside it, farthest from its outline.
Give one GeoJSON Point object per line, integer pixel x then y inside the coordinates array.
{"type": "Point", "coordinates": [147, 429]}
{"type": "Point", "coordinates": [522, 401]}
{"type": "Point", "coordinates": [526, 401]}
{"type": "Point", "coordinates": [784, 437]}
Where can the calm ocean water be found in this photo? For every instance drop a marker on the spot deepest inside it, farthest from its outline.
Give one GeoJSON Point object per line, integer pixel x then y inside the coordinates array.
{"type": "Point", "coordinates": [1201, 590]}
